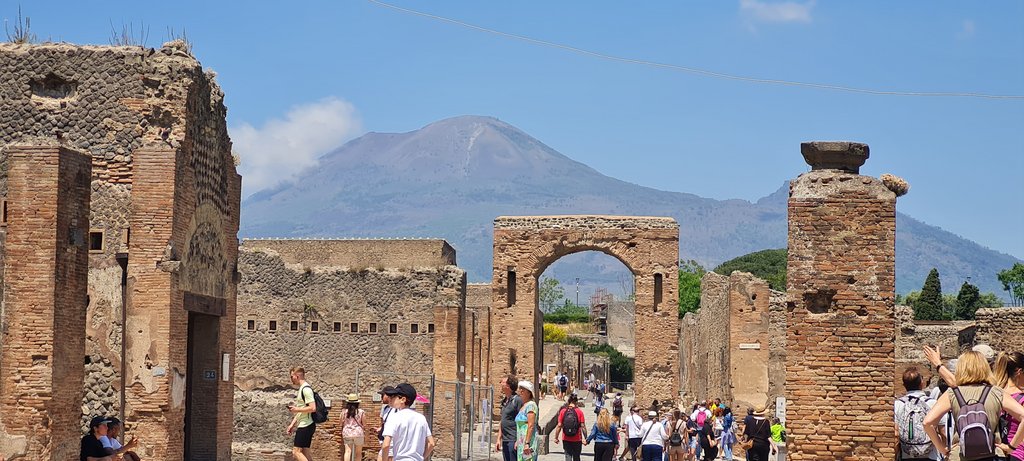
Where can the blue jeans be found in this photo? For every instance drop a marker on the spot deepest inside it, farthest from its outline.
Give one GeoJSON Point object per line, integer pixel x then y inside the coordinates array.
{"type": "Point", "coordinates": [651, 452]}
{"type": "Point", "coordinates": [508, 451]}
{"type": "Point", "coordinates": [727, 449]}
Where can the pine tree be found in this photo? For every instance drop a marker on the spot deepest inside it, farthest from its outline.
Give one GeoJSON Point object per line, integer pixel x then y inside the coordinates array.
{"type": "Point", "coordinates": [929, 305]}
{"type": "Point", "coordinates": [967, 301]}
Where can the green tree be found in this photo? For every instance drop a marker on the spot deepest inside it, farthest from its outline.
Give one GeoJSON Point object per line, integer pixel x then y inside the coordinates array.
{"type": "Point", "coordinates": [967, 301]}
{"type": "Point", "coordinates": [568, 313]}
{"type": "Point", "coordinates": [690, 273]}
{"type": "Point", "coordinates": [769, 265]}
{"type": "Point", "coordinates": [929, 305]}
{"type": "Point", "coordinates": [549, 294]}
{"type": "Point", "coordinates": [1013, 282]}
{"type": "Point", "coordinates": [989, 300]}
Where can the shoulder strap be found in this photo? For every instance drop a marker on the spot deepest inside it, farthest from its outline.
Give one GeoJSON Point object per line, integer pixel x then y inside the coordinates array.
{"type": "Point", "coordinates": [960, 397]}
{"type": "Point", "coordinates": [984, 394]}
{"type": "Point", "coordinates": [300, 391]}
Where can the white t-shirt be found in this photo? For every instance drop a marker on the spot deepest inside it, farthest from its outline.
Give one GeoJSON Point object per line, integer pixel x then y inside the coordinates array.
{"type": "Point", "coordinates": [109, 442]}
{"type": "Point", "coordinates": [633, 423]}
{"type": "Point", "coordinates": [653, 433]}
{"type": "Point", "coordinates": [929, 402]}
{"type": "Point", "coordinates": [408, 430]}
{"type": "Point", "coordinates": [699, 410]}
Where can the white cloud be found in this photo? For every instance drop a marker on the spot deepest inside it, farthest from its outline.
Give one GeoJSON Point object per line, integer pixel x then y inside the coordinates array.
{"type": "Point", "coordinates": [767, 11]}
{"type": "Point", "coordinates": [282, 147]}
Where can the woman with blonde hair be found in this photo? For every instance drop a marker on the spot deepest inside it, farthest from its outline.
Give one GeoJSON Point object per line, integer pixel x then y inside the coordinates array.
{"type": "Point", "coordinates": [1009, 374]}
{"type": "Point", "coordinates": [974, 381]}
{"type": "Point", "coordinates": [605, 436]}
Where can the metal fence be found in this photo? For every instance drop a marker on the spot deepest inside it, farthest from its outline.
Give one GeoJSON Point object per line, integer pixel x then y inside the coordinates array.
{"type": "Point", "coordinates": [468, 407]}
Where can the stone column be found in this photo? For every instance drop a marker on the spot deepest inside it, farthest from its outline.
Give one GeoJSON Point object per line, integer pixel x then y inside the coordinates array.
{"type": "Point", "coordinates": [841, 324]}
{"type": "Point", "coordinates": [45, 261]}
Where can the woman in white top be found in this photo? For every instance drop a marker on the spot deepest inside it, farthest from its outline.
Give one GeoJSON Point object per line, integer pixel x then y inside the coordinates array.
{"type": "Point", "coordinates": [653, 436]}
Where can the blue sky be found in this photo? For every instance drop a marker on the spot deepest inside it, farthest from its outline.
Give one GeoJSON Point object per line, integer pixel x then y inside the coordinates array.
{"type": "Point", "coordinates": [303, 77]}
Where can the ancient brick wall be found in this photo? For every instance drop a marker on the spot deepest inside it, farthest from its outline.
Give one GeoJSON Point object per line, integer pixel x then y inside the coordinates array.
{"type": "Point", "coordinates": [478, 305]}
{"type": "Point", "coordinates": [841, 328]}
{"type": "Point", "coordinates": [912, 336]}
{"type": "Point", "coordinates": [730, 346]}
{"type": "Point", "coordinates": [621, 318]}
{"type": "Point", "coordinates": [408, 324]}
{"type": "Point", "coordinates": [1000, 328]}
{"type": "Point", "coordinates": [45, 261]}
{"type": "Point", "coordinates": [706, 334]}
{"type": "Point", "coordinates": [525, 246]}
{"type": "Point", "coordinates": [117, 103]}
{"type": "Point", "coordinates": [362, 253]}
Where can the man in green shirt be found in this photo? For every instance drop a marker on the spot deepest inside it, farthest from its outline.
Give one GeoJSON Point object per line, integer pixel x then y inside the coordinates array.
{"type": "Point", "coordinates": [779, 437]}
{"type": "Point", "coordinates": [302, 421]}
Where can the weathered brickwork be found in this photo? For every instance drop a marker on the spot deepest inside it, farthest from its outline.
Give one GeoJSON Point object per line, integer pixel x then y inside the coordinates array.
{"type": "Point", "coordinates": [362, 253]}
{"type": "Point", "coordinates": [729, 347]}
{"type": "Point", "coordinates": [409, 324]}
{"type": "Point", "coordinates": [912, 336]}
{"type": "Point", "coordinates": [841, 327]}
{"type": "Point", "coordinates": [478, 333]}
{"type": "Point", "coordinates": [174, 214]}
{"type": "Point", "coordinates": [45, 263]}
{"type": "Point", "coordinates": [1001, 328]}
{"type": "Point", "coordinates": [525, 246]}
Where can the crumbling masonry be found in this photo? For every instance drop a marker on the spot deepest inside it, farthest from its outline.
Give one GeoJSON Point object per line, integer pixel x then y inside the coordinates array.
{"type": "Point", "coordinates": [841, 292]}
{"type": "Point", "coordinates": [159, 235]}
{"type": "Point", "coordinates": [648, 246]}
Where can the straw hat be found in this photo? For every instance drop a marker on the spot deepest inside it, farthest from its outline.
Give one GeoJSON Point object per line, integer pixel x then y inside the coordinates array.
{"type": "Point", "coordinates": [352, 398]}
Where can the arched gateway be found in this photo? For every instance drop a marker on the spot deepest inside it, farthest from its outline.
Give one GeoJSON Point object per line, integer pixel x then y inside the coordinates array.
{"type": "Point", "coordinates": [524, 246]}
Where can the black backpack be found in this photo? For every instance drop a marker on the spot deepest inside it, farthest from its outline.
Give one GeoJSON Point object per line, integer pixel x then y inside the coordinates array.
{"type": "Point", "coordinates": [571, 422]}
{"type": "Point", "coordinates": [320, 415]}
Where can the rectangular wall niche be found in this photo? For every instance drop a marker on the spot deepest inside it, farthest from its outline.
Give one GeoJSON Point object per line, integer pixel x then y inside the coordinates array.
{"type": "Point", "coordinates": [657, 290]}
{"type": "Point", "coordinates": [510, 293]}
{"type": "Point", "coordinates": [96, 241]}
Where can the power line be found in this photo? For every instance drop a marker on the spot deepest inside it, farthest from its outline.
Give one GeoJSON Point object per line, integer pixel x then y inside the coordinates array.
{"type": "Point", "coordinates": [694, 70]}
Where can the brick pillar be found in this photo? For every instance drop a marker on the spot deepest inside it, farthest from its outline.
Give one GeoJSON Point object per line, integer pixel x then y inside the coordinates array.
{"type": "Point", "coordinates": [45, 296]}
{"type": "Point", "coordinates": [841, 321]}
{"type": "Point", "coordinates": [157, 324]}
{"type": "Point", "coordinates": [449, 366]}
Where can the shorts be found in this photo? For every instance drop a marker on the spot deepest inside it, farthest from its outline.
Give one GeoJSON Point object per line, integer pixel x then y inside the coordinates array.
{"type": "Point", "coordinates": [356, 441]}
{"type": "Point", "coordinates": [304, 436]}
{"type": "Point", "coordinates": [562, 389]}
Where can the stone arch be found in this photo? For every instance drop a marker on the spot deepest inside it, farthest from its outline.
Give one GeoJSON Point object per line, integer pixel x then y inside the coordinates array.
{"type": "Point", "coordinates": [524, 246]}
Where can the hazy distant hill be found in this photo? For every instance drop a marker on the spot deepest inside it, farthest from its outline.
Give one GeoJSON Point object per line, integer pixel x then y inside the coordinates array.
{"type": "Point", "coordinates": [451, 178]}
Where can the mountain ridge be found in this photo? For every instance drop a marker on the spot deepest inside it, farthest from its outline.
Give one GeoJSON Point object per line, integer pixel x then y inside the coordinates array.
{"type": "Point", "coordinates": [451, 178]}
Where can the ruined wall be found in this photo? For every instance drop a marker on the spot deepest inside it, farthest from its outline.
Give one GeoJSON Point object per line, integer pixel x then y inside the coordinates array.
{"type": "Point", "coordinates": [912, 336]}
{"type": "Point", "coordinates": [731, 346]}
{"type": "Point", "coordinates": [45, 262]}
{"type": "Point", "coordinates": [353, 330]}
{"type": "Point", "coordinates": [621, 321]}
{"type": "Point", "coordinates": [649, 246]}
{"type": "Point", "coordinates": [478, 308]}
{"type": "Point", "coordinates": [117, 104]}
{"type": "Point", "coordinates": [706, 343]}
{"type": "Point", "coordinates": [749, 338]}
{"type": "Point", "coordinates": [1000, 328]}
{"type": "Point", "coordinates": [362, 253]}
{"type": "Point", "coordinates": [841, 289]}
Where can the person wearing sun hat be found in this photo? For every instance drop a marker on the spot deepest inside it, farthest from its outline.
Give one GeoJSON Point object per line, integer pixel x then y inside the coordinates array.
{"type": "Point", "coordinates": [759, 430]}
{"type": "Point", "coordinates": [91, 448]}
{"type": "Point", "coordinates": [527, 434]}
{"type": "Point", "coordinates": [353, 429]}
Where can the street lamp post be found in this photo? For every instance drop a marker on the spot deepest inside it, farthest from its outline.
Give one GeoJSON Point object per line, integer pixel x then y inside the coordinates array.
{"type": "Point", "coordinates": [577, 292]}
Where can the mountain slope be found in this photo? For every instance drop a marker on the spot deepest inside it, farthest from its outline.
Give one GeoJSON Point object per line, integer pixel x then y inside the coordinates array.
{"type": "Point", "coordinates": [451, 178]}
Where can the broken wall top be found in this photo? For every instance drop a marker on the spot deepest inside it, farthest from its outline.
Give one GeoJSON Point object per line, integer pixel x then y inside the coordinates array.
{"type": "Point", "coordinates": [356, 253]}
{"type": "Point", "coordinates": [109, 101]}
